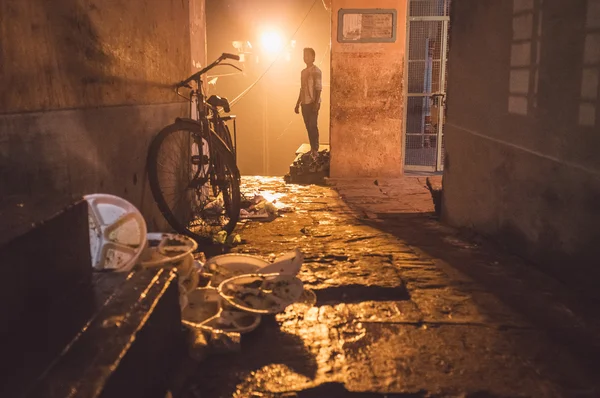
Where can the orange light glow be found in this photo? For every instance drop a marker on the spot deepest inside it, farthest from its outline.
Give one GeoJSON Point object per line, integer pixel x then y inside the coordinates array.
{"type": "Point", "coordinates": [272, 42]}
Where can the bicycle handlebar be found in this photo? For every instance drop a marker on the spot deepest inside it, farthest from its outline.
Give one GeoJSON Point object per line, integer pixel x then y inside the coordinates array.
{"type": "Point", "coordinates": [196, 76]}
{"type": "Point", "coordinates": [230, 56]}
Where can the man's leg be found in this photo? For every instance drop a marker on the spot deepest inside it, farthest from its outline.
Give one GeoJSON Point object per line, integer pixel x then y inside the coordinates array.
{"type": "Point", "coordinates": [313, 130]}
{"type": "Point", "coordinates": [306, 111]}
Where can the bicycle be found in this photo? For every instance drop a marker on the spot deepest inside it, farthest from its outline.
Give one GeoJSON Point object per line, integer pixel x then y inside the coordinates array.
{"type": "Point", "coordinates": [192, 164]}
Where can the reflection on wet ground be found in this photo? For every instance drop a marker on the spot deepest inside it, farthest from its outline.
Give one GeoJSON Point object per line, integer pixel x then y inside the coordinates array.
{"type": "Point", "coordinates": [389, 319]}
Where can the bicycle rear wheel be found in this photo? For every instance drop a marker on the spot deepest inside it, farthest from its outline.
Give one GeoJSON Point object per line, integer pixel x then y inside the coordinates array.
{"type": "Point", "coordinates": [194, 181]}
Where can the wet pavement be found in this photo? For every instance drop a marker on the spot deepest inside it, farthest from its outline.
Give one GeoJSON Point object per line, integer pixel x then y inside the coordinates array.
{"type": "Point", "coordinates": [404, 307]}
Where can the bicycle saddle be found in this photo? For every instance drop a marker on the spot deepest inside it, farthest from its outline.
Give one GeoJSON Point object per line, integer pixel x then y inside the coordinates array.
{"type": "Point", "coordinates": [217, 101]}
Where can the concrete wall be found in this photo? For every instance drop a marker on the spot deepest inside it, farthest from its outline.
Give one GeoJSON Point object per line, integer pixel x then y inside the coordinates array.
{"type": "Point", "coordinates": [198, 33]}
{"type": "Point", "coordinates": [367, 99]}
{"type": "Point", "coordinates": [85, 87]}
{"type": "Point", "coordinates": [523, 131]}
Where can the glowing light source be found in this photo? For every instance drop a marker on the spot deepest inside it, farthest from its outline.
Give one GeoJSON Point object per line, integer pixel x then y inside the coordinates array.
{"type": "Point", "coordinates": [271, 42]}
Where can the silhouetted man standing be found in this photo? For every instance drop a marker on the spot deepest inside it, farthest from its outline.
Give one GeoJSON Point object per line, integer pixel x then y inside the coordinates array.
{"type": "Point", "coordinates": [310, 99]}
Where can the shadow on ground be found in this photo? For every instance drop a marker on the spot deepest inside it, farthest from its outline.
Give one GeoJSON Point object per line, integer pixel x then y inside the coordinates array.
{"type": "Point", "coordinates": [220, 375]}
{"type": "Point", "coordinates": [337, 390]}
{"type": "Point", "coordinates": [359, 293]}
{"type": "Point", "coordinates": [544, 302]}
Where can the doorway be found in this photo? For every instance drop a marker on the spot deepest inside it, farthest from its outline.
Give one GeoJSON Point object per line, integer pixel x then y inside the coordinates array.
{"type": "Point", "coordinates": [427, 48]}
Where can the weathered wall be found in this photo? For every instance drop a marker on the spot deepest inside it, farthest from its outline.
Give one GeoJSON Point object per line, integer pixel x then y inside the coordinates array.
{"type": "Point", "coordinates": [367, 99]}
{"type": "Point", "coordinates": [198, 32]}
{"type": "Point", "coordinates": [523, 130]}
{"type": "Point", "coordinates": [85, 87]}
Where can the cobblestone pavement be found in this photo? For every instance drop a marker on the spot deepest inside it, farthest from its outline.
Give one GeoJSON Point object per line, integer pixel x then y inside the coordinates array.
{"type": "Point", "coordinates": [405, 307]}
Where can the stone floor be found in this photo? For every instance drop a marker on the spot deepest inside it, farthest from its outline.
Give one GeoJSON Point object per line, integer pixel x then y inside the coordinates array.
{"type": "Point", "coordinates": [404, 307]}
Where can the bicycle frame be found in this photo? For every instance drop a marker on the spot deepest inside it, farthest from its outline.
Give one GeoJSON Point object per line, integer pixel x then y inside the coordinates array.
{"type": "Point", "coordinates": [211, 122]}
{"type": "Point", "coordinates": [206, 114]}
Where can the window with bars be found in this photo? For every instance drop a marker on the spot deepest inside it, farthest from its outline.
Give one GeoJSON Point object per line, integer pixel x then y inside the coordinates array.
{"type": "Point", "coordinates": [590, 77]}
{"type": "Point", "coordinates": [429, 8]}
{"type": "Point", "coordinates": [525, 56]}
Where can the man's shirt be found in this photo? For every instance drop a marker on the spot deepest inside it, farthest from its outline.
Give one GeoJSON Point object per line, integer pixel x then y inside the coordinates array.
{"type": "Point", "coordinates": [311, 82]}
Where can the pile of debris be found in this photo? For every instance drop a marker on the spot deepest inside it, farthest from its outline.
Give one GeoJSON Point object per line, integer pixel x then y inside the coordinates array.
{"type": "Point", "coordinates": [309, 169]}
{"type": "Point", "coordinates": [219, 299]}
{"type": "Point", "coordinates": [235, 291]}
{"type": "Point", "coordinates": [263, 206]}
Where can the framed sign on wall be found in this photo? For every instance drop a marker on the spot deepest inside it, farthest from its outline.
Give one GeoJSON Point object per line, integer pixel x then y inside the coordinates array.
{"type": "Point", "coordinates": [368, 25]}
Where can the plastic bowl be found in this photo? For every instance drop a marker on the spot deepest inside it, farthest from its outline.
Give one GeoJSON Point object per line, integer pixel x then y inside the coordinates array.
{"type": "Point", "coordinates": [205, 310]}
{"type": "Point", "coordinates": [226, 266]}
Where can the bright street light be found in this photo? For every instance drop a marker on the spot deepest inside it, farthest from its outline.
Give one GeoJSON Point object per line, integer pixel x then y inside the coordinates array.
{"type": "Point", "coordinates": [272, 42]}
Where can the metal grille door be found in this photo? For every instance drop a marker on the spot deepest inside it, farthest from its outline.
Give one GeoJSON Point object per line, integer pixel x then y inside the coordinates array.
{"type": "Point", "coordinates": [428, 22]}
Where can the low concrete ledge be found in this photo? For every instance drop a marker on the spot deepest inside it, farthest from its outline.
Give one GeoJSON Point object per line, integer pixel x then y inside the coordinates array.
{"type": "Point", "coordinates": [129, 347]}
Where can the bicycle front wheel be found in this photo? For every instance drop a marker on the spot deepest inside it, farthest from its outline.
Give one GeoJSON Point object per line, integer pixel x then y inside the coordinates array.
{"type": "Point", "coordinates": [194, 181]}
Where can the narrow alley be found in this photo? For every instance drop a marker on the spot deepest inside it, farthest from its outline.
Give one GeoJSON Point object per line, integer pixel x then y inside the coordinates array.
{"type": "Point", "coordinates": [404, 307]}
{"type": "Point", "coordinates": [300, 198]}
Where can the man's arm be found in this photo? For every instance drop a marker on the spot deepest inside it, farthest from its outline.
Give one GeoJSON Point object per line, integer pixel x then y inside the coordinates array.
{"type": "Point", "coordinates": [297, 109]}
{"type": "Point", "coordinates": [318, 88]}
{"type": "Point", "coordinates": [317, 103]}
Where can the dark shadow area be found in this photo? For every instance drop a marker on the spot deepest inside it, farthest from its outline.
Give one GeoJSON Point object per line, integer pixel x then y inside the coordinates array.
{"type": "Point", "coordinates": [56, 314]}
{"type": "Point", "coordinates": [220, 375]}
{"type": "Point", "coordinates": [545, 302]}
{"type": "Point", "coordinates": [522, 131]}
{"type": "Point", "coordinates": [337, 390]}
{"type": "Point", "coordinates": [139, 336]}
{"type": "Point", "coordinates": [436, 195]}
{"type": "Point", "coordinates": [359, 293]}
{"type": "Point", "coordinates": [40, 273]}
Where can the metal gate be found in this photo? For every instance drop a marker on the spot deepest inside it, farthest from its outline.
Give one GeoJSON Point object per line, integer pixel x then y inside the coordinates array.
{"type": "Point", "coordinates": [428, 22]}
